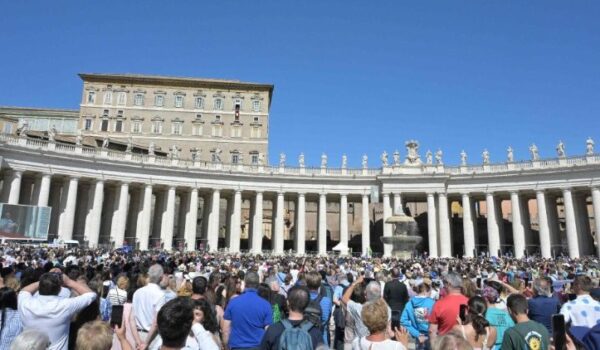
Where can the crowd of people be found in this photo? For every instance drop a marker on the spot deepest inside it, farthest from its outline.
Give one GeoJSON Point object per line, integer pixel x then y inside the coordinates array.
{"type": "Point", "coordinates": [53, 298]}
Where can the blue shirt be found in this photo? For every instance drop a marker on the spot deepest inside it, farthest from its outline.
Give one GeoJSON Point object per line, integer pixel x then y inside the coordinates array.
{"type": "Point", "coordinates": [326, 306]}
{"type": "Point", "coordinates": [542, 308]}
{"type": "Point", "coordinates": [249, 315]}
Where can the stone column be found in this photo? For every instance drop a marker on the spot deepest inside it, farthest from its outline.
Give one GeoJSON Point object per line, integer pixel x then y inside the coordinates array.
{"type": "Point", "coordinates": [468, 229]}
{"type": "Point", "coordinates": [191, 221]}
{"type": "Point", "coordinates": [277, 236]}
{"type": "Point", "coordinates": [44, 192]}
{"type": "Point", "coordinates": [492, 225]}
{"type": "Point", "coordinates": [121, 216]}
{"type": "Point", "coordinates": [67, 218]}
{"type": "Point", "coordinates": [387, 228]}
{"type": "Point", "coordinates": [366, 225]}
{"type": "Point", "coordinates": [15, 187]}
{"type": "Point", "coordinates": [95, 215]}
{"type": "Point", "coordinates": [168, 217]}
{"type": "Point", "coordinates": [398, 208]}
{"type": "Point", "coordinates": [571, 223]}
{"type": "Point", "coordinates": [236, 223]}
{"type": "Point", "coordinates": [545, 245]}
{"type": "Point", "coordinates": [553, 224]}
{"type": "Point", "coordinates": [445, 239]}
{"type": "Point", "coordinates": [596, 204]}
{"type": "Point", "coordinates": [213, 221]}
{"type": "Point", "coordinates": [517, 225]}
{"type": "Point", "coordinates": [257, 224]}
{"type": "Point", "coordinates": [322, 229]}
{"type": "Point", "coordinates": [526, 221]}
{"type": "Point", "coordinates": [144, 219]}
{"type": "Point", "coordinates": [301, 225]}
{"type": "Point", "coordinates": [432, 226]}
{"type": "Point", "coordinates": [344, 224]}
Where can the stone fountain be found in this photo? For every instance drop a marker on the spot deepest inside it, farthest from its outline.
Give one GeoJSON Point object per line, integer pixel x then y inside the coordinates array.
{"type": "Point", "coordinates": [405, 236]}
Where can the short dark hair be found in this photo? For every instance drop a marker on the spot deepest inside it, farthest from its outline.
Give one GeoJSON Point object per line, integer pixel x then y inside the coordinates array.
{"type": "Point", "coordinates": [251, 280]}
{"type": "Point", "coordinates": [298, 298]}
{"type": "Point", "coordinates": [199, 285]}
{"type": "Point", "coordinates": [517, 303]}
{"type": "Point", "coordinates": [174, 322]}
{"type": "Point", "coordinates": [50, 283]}
{"type": "Point", "coordinates": [313, 280]}
{"type": "Point", "coordinates": [584, 283]}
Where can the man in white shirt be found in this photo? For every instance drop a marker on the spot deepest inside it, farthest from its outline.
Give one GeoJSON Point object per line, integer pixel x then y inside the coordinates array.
{"type": "Point", "coordinates": [584, 311]}
{"type": "Point", "coordinates": [50, 313]}
{"type": "Point", "coordinates": [147, 301]}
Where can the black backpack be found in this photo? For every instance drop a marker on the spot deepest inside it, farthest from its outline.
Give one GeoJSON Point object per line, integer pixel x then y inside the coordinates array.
{"type": "Point", "coordinates": [339, 316]}
{"type": "Point", "coordinates": [313, 312]}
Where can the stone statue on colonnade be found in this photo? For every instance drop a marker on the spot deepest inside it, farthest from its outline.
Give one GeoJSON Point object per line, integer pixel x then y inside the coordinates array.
{"type": "Point", "coordinates": [463, 158]}
{"type": "Point", "coordinates": [429, 157]}
{"type": "Point", "coordinates": [384, 159]}
{"type": "Point", "coordinates": [151, 148]}
{"type": "Point", "coordinates": [412, 153]}
{"type": "Point", "coordinates": [105, 142]}
{"type": "Point", "coordinates": [438, 157]}
{"type": "Point", "coordinates": [510, 156]}
{"type": "Point", "coordinates": [344, 161]}
{"type": "Point", "coordinates": [261, 159]}
{"type": "Point", "coordinates": [486, 156]}
{"type": "Point", "coordinates": [301, 160]}
{"type": "Point", "coordinates": [52, 134]}
{"type": "Point", "coordinates": [129, 144]}
{"type": "Point", "coordinates": [282, 159]}
{"type": "Point", "coordinates": [589, 146]}
{"type": "Point", "coordinates": [78, 138]}
{"type": "Point", "coordinates": [396, 158]}
{"type": "Point", "coordinates": [534, 152]}
{"type": "Point", "coordinates": [365, 161]}
{"type": "Point", "coordinates": [323, 160]}
{"type": "Point", "coordinates": [560, 149]}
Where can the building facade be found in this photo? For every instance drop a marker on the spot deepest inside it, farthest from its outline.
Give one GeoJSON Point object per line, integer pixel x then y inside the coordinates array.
{"type": "Point", "coordinates": [206, 119]}
{"type": "Point", "coordinates": [64, 121]}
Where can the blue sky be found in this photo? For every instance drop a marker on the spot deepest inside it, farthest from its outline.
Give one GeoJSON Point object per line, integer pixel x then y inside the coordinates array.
{"type": "Point", "coordinates": [350, 77]}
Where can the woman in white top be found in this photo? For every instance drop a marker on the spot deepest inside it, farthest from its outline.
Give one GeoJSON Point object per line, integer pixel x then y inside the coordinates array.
{"type": "Point", "coordinates": [475, 328]}
{"type": "Point", "coordinates": [118, 294]}
{"type": "Point", "coordinates": [375, 316]}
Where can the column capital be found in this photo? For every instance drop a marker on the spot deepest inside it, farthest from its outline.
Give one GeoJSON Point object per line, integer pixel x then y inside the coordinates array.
{"type": "Point", "coordinates": [489, 193]}
{"type": "Point", "coordinates": [216, 190]}
{"type": "Point", "coordinates": [430, 193]}
{"type": "Point", "coordinates": [540, 191]}
{"type": "Point", "coordinates": [343, 194]}
{"type": "Point", "coordinates": [145, 185]}
{"type": "Point", "coordinates": [595, 187]}
{"type": "Point", "coordinates": [43, 174]}
{"type": "Point", "coordinates": [194, 189]}
{"type": "Point", "coordinates": [236, 191]}
{"type": "Point", "coordinates": [365, 195]}
{"type": "Point", "coordinates": [515, 192]}
{"type": "Point", "coordinates": [465, 194]}
{"type": "Point", "coordinates": [301, 194]}
{"type": "Point", "coordinates": [385, 194]}
{"type": "Point", "coordinates": [567, 189]}
{"type": "Point", "coordinates": [322, 194]}
{"type": "Point", "coordinates": [280, 193]}
{"type": "Point", "coordinates": [17, 172]}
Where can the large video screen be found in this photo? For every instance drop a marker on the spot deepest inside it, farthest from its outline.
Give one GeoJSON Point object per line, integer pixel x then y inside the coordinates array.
{"type": "Point", "coordinates": [24, 221]}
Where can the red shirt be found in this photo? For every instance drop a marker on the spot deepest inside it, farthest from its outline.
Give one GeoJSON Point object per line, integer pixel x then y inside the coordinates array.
{"type": "Point", "coordinates": [445, 312]}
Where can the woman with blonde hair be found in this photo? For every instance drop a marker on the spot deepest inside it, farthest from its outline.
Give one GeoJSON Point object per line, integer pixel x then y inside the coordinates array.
{"type": "Point", "coordinates": [376, 317]}
{"type": "Point", "coordinates": [118, 294]}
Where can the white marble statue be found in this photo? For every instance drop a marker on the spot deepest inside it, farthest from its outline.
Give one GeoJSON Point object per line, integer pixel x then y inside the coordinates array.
{"type": "Point", "coordinates": [438, 157]}
{"type": "Point", "coordinates": [261, 159]}
{"type": "Point", "coordinates": [323, 160]}
{"type": "Point", "coordinates": [560, 149]}
{"type": "Point", "coordinates": [429, 157]}
{"type": "Point", "coordinates": [534, 152]}
{"type": "Point", "coordinates": [24, 128]}
{"type": "Point", "coordinates": [510, 155]}
{"type": "Point", "coordinates": [463, 158]}
{"type": "Point", "coordinates": [486, 156]}
{"type": "Point", "coordinates": [589, 146]}
{"type": "Point", "coordinates": [412, 153]}
{"type": "Point", "coordinates": [301, 160]}
{"type": "Point", "coordinates": [175, 152]}
{"type": "Point", "coordinates": [396, 158]}
{"type": "Point", "coordinates": [344, 161]}
{"type": "Point", "coordinates": [78, 139]}
{"type": "Point", "coordinates": [151, 148]}
{"type": "Point", "coordinates": [105, 142]}
{"type": "Point", "coordinates": [193, 153]}
{"type": "Point", "coordinates": [217, 155]}
{"type": "Point", "coordinates": [282, 159]}
{"type": "Point", "coordinates": [129, 144]}
{"type": "Point", "coordinates": [52, 134]}
{"type": "Point", "coordinates": [364, 161]}
{"type": "Point", "coordinates": [384, 159]}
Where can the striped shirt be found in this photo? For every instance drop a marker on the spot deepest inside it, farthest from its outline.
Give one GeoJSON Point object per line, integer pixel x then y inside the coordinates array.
{"type": "Point", "coordinates": [11, 328]}
{"type": "Point", "coordinates": [117, 296]}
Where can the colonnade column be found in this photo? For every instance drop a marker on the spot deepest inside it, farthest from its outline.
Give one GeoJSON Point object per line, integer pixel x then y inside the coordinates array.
{"type": "Point", "coordinates": [492, 225]}
{"type": "Point", "coordinates": [95, 215]}
{"type": "Point", "coordinates": [432, 225]}
{"type": "Point", "coordinates": [119, 224]}
{"type": "Point", "coordinates": [322, 229]}
{"type": "Point", "coordinates": [15, 187]}
{"type": "Point", "coordinates": [277, 235]}
{"type": "Point", "coordinates": [144, 219]}
{"type": "Point", "coordinates": [468, 227]}
{"type": "Point", "coordinates": [44, 191]}
{"type": "Point", "coordinates": [301, 225]}
{"type": "Point", "coordinates": [387, 228]}
{"type": "Point", "coordinates": [213, 222]}
{"type": "Point", "coordinates": [168, 217]}
{"type": "Point", "coordinates": [545, 243]}
{"type": "Point", "coordinates": [445, 239]}
{"type": "Point", "coordinates": [344, 224]}
{"type": "Point", "coordinates": [596, 204]}
{"type": "Point", "coordinates": [517, 225]}
{"type": "Point", "coordinates": [236, 223]}
{"type": "Point", "coordinates": [67, 217]}
{"type": "Point", "coordinates": [366, 226]}
{"type": "Point", "coordinates": [257, 224]}
{"type": "Point", "coordinates": [398, 208]}
{"type": "Point", "coordinates": [191, 221]}
{"type": "Point", "coordinates": [571, 224]}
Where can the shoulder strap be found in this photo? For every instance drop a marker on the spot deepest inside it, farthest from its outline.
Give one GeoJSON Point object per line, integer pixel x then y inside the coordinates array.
{"type": "Point", "coordinates": [462, 329]}
{"type": "Point", "coordinates": [306, 326]}
{"type": "Point", "coordinates": [286, 324]}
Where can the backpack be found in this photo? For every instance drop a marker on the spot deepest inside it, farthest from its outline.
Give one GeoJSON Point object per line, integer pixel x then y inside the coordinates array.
{"type": "Point", "coordinates": [339, 316]}
{"type": "Point", "coordinates": [313, 312]}
{"type": "Point", "coordinates": [294, 338]}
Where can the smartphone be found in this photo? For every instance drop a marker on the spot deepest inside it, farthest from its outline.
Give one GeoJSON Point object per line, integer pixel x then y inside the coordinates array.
{"type": "Point", "coordinates": [559, 332]}
{"type": "Point", "coordinates": [116, 317]}
{"type": "Point", "coordinates": [479, 282]}
{"type": "Point", "coordinates": [463, 313]}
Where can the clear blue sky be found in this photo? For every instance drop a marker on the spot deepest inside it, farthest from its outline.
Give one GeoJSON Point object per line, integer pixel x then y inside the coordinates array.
{"type": "Point", "coordinates": [350, 77]}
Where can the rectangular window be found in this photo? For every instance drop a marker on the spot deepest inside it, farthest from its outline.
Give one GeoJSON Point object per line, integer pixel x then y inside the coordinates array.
{"type": "Point", "coordinates": [235, 158]}
{"type": "Point", "coordinates": [217, 130]}
{"type": "Point", "coordinates": [119, 126]}
{"type": "Point", "coordinates": [108, 97]}
{"type": "Point", "coordinates": [104, 125]}
{"type": "Point", "coordinates": [236, 131]}
{"type": "Point", "coordinates": [157, 127]}
{"type": "Point", "coordinates": [254, 158]}
{"type": "Point", "coordinates": [176, 128]}
{"type": "Point", "coordinates": [178, 101]}
{"type": "Point", "coordinates": [197, 130]}
{"type": "Point", "coordinates": [91, 98]}
{"type": "Point", "coordinates": [255, 133]}
{"type": "Point", "coordinates": [256, 106]}
{"type": "Point", "coordinates": [159, 100]}
{"type": "Point", "coordinates": [199, 102]}
{"type": "Point", "coordinates": [121, 98]}
{"type": "Point", "coordinates": [139, 100]}
{"type": "Point", "coordinates": [8, 128]}
{"type": "Point", "coordinates": [218, 104]}
{"type": "Point", "coordinates": [88, 124]}
{"type": "Point", "coordinates": [238, 104]}
{"type": "Point", "coordinates": [105, 113]}
{"type": "Point", "coordinates": [136, 127]}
